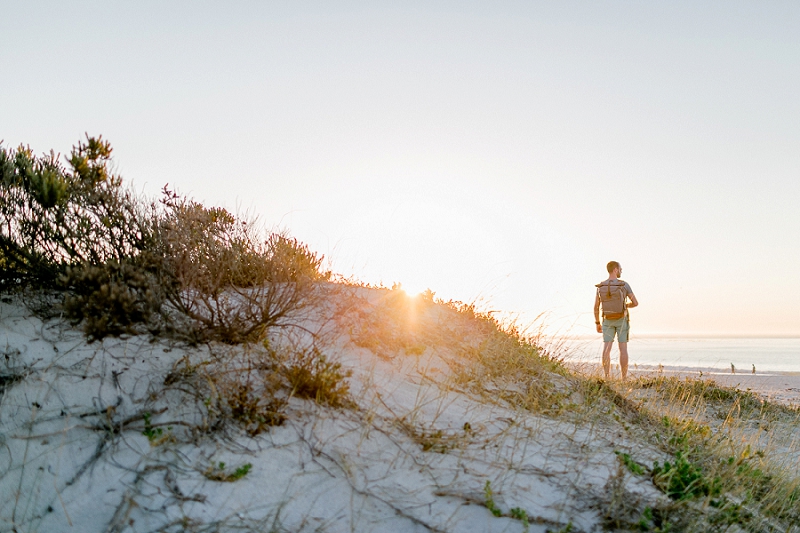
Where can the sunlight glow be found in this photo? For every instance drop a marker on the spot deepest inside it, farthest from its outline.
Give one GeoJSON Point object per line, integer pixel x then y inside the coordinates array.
{"type": "Point", "coordinates": [413, 290]}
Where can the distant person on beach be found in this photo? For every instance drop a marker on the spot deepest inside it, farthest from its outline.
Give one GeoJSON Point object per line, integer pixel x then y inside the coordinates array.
{"type": "Point", "coordinates": [614, 294]}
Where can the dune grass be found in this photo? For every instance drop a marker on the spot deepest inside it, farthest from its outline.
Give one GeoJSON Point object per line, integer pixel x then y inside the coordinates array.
{"type": "Point", "coordinates": [724, 452]}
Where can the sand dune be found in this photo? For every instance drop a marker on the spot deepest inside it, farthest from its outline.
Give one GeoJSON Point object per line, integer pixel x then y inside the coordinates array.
{"type": "Point", "coordinates": [118, 436]}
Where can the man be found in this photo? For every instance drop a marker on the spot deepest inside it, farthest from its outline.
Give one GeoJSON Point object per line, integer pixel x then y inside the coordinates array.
{"type": "Point", "coordinates": [614, 294]}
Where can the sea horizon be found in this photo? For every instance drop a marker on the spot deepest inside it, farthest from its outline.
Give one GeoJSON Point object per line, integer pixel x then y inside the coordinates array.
{"type": "Point", "coordinates": [690, 335]}
{"type": "Point", "coordinates": [701, 353]}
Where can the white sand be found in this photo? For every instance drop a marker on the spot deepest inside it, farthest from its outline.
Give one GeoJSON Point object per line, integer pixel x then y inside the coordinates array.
{"type": "Point", "coordinates": [361, 469]}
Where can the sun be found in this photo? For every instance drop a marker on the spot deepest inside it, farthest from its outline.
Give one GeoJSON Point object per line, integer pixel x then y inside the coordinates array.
{"type": "Point", "coordinates": [413, 290]}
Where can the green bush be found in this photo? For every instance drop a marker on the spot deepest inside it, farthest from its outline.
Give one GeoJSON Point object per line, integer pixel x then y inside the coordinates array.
{"type": "Point", "coordinates": [53, 217]}
{"type": "Point", "coordinates": [198, 272]}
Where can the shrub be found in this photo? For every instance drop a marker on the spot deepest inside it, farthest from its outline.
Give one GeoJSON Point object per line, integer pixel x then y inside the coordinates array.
{"type": "Point", "coordinates": [199, 272]}
{"type": "Point", "coordinates": [292, 261]}
{"type": "Point", "coordinates": [226, 282]}
{"type": "Point", "coordinates": [52, 217]}
{"type": "Point", "coordinates": [112, 298]}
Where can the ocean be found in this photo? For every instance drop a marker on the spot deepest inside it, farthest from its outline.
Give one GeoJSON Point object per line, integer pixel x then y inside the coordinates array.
{"type": "Point", "coordinates": [703, 353]}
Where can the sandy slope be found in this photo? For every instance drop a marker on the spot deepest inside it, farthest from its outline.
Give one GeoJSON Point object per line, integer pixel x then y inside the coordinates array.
{"type": "Point", "coordinates": [414, 454]}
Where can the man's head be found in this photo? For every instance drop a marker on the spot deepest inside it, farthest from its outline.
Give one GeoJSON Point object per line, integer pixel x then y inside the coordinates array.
{"type": "Point", "coordinates": [613, 265]}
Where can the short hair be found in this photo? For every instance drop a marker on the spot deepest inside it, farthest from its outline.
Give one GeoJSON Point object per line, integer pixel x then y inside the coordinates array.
{"type": "Point", "coordinates": [611, 266]}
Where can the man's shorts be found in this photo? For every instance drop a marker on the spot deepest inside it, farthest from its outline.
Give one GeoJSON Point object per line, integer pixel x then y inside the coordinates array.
{"type": "Point", "coordinates": [616, 328]}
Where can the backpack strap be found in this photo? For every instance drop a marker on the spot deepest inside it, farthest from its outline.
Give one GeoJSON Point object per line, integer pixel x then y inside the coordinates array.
{"type": "Point", "coordinates": [625, 301]}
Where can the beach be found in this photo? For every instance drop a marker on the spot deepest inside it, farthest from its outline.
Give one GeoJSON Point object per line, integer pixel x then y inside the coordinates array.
{"type": "Point", "coordinates": [779, 387]}
{"type": "Point", "coordinates": [776, 361]}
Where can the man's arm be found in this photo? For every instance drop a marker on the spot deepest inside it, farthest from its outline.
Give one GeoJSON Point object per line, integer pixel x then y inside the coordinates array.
{"type": "Point", "coordinates": [597, 313]}
{"type": "Point", "coordinates": [634, 302]}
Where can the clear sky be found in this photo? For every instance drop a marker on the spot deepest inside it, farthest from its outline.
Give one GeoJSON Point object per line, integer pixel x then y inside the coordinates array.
{"type": "Point", "coordinates": [495, 150]}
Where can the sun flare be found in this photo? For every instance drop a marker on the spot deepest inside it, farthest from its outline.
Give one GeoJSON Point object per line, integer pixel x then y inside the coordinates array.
{"type": "Point", "coordinates": [413, 290]}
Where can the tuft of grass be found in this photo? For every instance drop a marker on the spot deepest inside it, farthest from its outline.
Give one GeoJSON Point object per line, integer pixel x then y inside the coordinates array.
{"type": "Point", "coordinates": [245, 392]}
{"type": "Point", "coordinates": [516, 513]}
{"type": "Point", "coordinates": [252, 386]}
{"type": "Point", "coordinates": [240, 387]}
{"type": "Point", "coordinates": [254, 411]}
{"type": "Point", "coordinates": [434, 442]}
{"type": "Point", "coordinates": [311, 375]}
{"type": "Point", "coordinates": [566, 529]}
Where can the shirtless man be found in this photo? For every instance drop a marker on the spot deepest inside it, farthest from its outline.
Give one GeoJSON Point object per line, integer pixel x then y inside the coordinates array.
{"type": "Point", "coordinates": [614, 327]}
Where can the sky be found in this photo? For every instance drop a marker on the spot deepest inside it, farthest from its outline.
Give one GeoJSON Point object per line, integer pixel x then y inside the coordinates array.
{"type": "Point", "coordinates": [494, 152]}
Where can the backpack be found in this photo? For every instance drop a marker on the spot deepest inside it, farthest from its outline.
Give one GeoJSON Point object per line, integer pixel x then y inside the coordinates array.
{"type": "Point", "coordinates": [612, 297]}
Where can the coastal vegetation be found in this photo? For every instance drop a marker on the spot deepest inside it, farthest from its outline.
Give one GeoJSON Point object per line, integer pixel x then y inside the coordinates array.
{"type": "Point", "coordinates": [265, 337]}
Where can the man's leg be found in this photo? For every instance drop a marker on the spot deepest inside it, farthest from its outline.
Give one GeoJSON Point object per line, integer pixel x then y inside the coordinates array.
{"type": "Point", "coordinates": [607, 358]}
{"type": "Point", "coordinates": [623, 359]}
